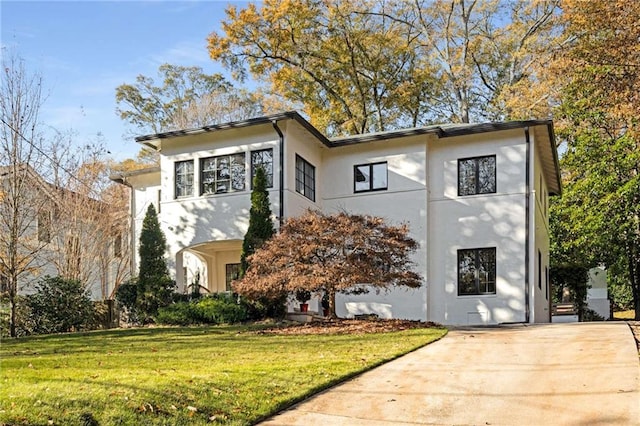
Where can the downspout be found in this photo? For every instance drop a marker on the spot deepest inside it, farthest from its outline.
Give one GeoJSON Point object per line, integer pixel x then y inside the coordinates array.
{"type": "Point", "coordinates": [527, 207]}
{"type": "Point", "coordinates": [281, 177]}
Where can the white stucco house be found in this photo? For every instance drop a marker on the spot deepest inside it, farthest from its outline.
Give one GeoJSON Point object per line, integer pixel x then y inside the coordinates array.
{"type": "Point", "coordinates": [475, 197]}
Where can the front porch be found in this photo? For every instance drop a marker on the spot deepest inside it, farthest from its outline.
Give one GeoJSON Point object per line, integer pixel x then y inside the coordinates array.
{"type": "Point", "coordinates": [212, 265]}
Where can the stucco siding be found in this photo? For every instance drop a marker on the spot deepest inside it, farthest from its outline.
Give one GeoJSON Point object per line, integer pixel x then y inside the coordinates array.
{"type": "Point", "coordinates": [477, 221]}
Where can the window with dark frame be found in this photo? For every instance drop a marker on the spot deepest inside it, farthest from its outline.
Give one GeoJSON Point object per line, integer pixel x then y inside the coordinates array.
{"type": "Point", "coordinates": [546, 282]}
{"type": "Point", "coordinates": [262, 158]}
{"type": "Point", "coordinates": [221, 174]}
{"type": "Point", "coordinates": [370, 177]}
{"type": "Point", "coordinates": [477, 175]}
{"type": "Point", "coordinates": [184, 178]}
{"type": "Point", "coordinates": [305, 178]}
{"type": "Point", "coordinates": [539, 270]}
{"type": "Point", "coordinates": [477, 271]}
{"type": "Point", "coordinates": [117, 246]}
{"type": "Point", "coordinates": [232, 273]}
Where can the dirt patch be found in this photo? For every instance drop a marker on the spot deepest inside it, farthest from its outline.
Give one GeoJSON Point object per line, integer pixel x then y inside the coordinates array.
{"type": "Point", "coordinates": [346, 326]}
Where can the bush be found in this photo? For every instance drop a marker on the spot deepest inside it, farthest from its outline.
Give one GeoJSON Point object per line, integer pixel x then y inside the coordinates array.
{"type": "Point", "coordinates": [217, 309]}
{"type": "Point", "coordinates": [60, 305]}
{"type": "Point", "coordinates": [181, 313]}
{"type": "Point", "coordinates": [220, 309]}
{"type": "Point", "coordinates": [265, 308]}
{"type": "Point", "coordinates": [23, 315]}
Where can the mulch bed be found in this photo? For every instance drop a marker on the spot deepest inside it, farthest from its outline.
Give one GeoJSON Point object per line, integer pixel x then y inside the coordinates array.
{"type": "Point", "coordinates": [345, 326]}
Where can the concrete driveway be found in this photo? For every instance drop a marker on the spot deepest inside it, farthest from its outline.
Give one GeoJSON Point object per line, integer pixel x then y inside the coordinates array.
{"type": "Point", "coordinates": [556, 374]}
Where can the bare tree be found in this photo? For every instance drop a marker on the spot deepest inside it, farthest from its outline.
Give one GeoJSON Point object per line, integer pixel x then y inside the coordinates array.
{"type": "Point", "coordinates": [23, 222]}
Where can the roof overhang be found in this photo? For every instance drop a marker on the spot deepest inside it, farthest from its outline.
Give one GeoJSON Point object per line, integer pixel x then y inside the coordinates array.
{"type": "Point", "coordinates": [123, 177]}
{"type": "Point", "coordinates": [154, 141]}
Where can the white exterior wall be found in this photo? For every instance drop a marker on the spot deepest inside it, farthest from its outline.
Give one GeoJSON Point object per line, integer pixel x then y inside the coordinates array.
{"type": "Point", "coordinates": [198, 219]}
{"type": "Point", "coordinates": [404, 201]}
{"type": "Point", "coordinates": [477, 221]}
{"type": "Point", "coordinates": [299, 141]}
{"type": "Point", "coordinates": [541, 293]}
{"type": "Point", "coordinates": [146, 190]}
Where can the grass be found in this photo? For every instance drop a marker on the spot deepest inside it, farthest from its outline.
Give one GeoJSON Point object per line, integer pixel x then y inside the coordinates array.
{"type": "Point", "coordinates": [180, 376]}
{"type": "Point", "coordinates": [624, 315]}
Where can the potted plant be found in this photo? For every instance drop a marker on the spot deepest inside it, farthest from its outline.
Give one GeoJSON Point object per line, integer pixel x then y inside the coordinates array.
{"type": "Point", "coordinates": [325, 304]}
{"type": "Point", "coordinates": [302, 296]}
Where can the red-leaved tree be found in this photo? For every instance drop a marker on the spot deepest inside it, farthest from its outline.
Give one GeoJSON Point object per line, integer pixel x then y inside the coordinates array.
{"type": "Point", "coordinates": [330, 253]}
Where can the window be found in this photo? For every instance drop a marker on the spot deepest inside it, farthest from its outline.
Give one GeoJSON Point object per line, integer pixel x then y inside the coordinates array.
{"type": "Point", "coordinates": [477, 175]}
{"type": "Point", "coordinates": [232, 272]}
{"type": "Point", "coordinates": [184, 178]}
{"type": "Point", "coordinates": [370, 177]}
{"type": "Point", "coordinates": [539, 270]}
{"type": "Point", "coordinates": [4, 284]}
{"type": "Point", "coordinates": [44, 227]}
{"type": "Point", "coordinates": [476, 271]}
{"type": "Point", "coordinates": [117, 246]}
{"type": "Point", "coordinates": [222, 174]}
{"type": "Point", "coordinates": [305, 178]}
{"type": "Point", "coordinates": [264, 159]}
{"type": "Point", "coordinates": [73, 255]}
{"type": "Point", "coordinates": [546, 282]}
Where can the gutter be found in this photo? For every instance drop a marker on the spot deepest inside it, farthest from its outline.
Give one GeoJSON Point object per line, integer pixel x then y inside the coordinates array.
{"type": "Point", "coordinates": [527, 207]}
{"type": "Point", "coordinates": [281, 171]}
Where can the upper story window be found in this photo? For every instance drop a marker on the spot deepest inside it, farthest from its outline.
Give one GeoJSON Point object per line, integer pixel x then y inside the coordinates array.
{"type": "Point", "coordinates": [477, 271]}
{"type": "Point", "coordinates": [477, 175]}
{"type": "Point", "coordinates": [44, 226]}
{"type": "Point", "coordinates": [370, 177]}
{"type": "Point", "coordinates": [225, 173]}
{"type": "Point", "coordinates": [305, 178]}
{"type": "Point", "coordinates": [184, 178]}
{"type": "Point", "coordinates": [117, 246]}
{"type": "Point", "coordinates": [264, 159]}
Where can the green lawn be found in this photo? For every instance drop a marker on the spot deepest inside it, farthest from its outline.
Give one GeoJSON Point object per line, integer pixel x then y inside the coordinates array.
{"type": "Point", "coordinates": [624, 315]}
{"type": "Point", "coordinates": [173, 376]}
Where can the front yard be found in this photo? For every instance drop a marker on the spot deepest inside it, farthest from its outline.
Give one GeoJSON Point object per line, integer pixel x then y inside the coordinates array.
{"type": "Point", "coordinates": [201, 375]}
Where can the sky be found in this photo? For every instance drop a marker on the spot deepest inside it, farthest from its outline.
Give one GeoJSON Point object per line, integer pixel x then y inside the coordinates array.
{"type": "Point", "coordinates": [85, 49]}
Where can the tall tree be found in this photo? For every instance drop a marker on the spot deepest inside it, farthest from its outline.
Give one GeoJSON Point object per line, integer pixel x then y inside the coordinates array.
{"type": "Point", "coordinates": [155, 287]}
{"type": "Point", "coordinates": [187, 97]}
{"type": "Point", "coordinates": [330, 253]}
{"type": "Point", "coordinates": [260, 224]}
{"type": "Point", "coordinates": [598, 216]}
{"type": "Point", "coordinates": [21, 152]}
{"type": "Point", "coordinates": [372, 65]}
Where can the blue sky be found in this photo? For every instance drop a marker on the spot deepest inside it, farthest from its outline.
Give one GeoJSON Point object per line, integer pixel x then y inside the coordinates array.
{"type": "Point", "coordinates": [85, 49]}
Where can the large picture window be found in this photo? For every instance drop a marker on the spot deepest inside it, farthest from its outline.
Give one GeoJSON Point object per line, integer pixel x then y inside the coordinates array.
{"type": "Point", "coordinates": [370, 177]}
{"type": "Point", "coordinates": [184, 178]}
{"type": "Point", "coordinates": [477, 175]}
{"type": "Point", "coordinates": [222, 174]}
{"type": "Point", "coordinates": [477, 271]}
{"type": "Point", "coordinates": [264, 159]}
{"type": "Point", "coordinates": [305, 178]}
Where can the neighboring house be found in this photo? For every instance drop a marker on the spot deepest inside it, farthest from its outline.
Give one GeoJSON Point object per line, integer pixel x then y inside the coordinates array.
{"type": "Point", "coordinates": [61, 233]}
{"type": "Point", "coordinates": [475, 197]}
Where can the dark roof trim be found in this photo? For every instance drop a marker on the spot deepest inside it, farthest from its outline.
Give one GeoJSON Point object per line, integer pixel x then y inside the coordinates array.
{"type": "Point", "coordinates": [267, 119]}
{"type": "Point", "coordinates": [442, 131]}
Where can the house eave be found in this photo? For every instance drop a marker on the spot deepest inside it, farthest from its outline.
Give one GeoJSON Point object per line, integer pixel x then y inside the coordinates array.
{"type": "Point", "coordinates": [154, 141]}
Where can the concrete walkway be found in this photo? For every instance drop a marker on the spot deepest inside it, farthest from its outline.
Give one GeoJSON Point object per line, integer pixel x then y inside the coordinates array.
{"type": "Point", "coordinates": [556, 374]}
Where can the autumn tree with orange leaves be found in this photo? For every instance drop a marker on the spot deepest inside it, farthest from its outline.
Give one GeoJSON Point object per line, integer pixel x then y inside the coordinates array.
{"type": "Point", "coordinates": [331, 253]}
